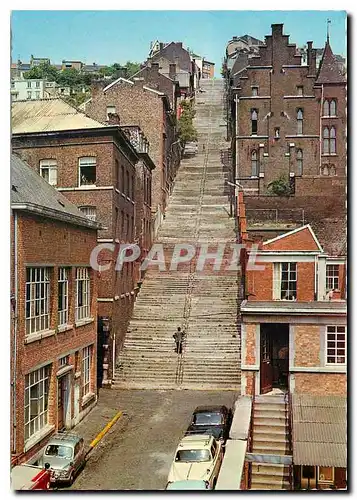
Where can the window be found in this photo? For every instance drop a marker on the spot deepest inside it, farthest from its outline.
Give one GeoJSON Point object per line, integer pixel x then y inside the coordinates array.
{"type": "Point", "coordinates": [127, 228]}
{"type": "Point", "coordinates": [254, 157]}
{"type": "Point", "coordinates": [29, 95]}
{"type": "Point", "coordinates": [254, 91]}
{"type": "Point", "coordinates": [86, 369]}
{"type": "Point", "coordinates": [28, 84]}
{"type": "Point", "coordinates": [329, 107]}
{"type": "Point", "coordinates": [329, 140]}
{"type": "Point", "coordinates": [64, 361]}
{"type": "Point", "coordinates": [299, 162]}
{"type": "Point", "coordinates": [122, 187]}
{"type": "Point", "coordinates": [89, 212]}
{"type": "Point", "coordinates": [110, 110]}
{"type": "Point", "coordinates": [37, 299]}
{"type": "Point", "coordinates": [38, 94]}
{"type": "Point", "coordinates": [82, 293]}
{"type": "Point", "coordinates": [62, 296]}
{"type": "Point", "coordinates": [254, 117]}
{"type": "Point", "coordinates": [277, 133]}
{"type": "Point", "coordinates": [308, 471]}
{"type": "Point", "coordinates": [127, 185]}
{"type": "Point", "coordinates": [336, 345]}
{"type": "Point", "coordinates": [12, 85]}
{"type": "Point", "coordinates": [117, 174]}
{"type": "Point", "coordinates": [37, 85]}
{"type": "Point", "coordinates": [48, 170]}
{"type": "Point", "coordinates": [36, 400]}
{"type": "Point", "coordinates": [122, 225]}
{"type": "Point", "coordinates": [132, 188]}
{"type": "Point", "coordinates": [332, 272]}
{"type": "Point", "coordinates": [325, 474]}
{"type": "Point", "coordinates": [87, 171]}
{"type": "Point", "coordinates": [300, 90]}
{"type": "Point", "coordinates": [300, 119]}
{"type": "Point", "coordinates": [285, 281]}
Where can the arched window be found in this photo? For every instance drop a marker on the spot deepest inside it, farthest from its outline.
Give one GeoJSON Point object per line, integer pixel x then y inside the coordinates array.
{"type": "Point", "coordinates": [332, 170]}
{"type": "Point", "coordinates": [326, 108]}
{"type": "Point", "coordinates": [333, 107]}
{"type": "Point", "coordinates": [332, 140]}
{"type": "Point", "coordinates": [254, 117]}
{"type": "Point", "coordinates": [299, 162]}
{"type": "Point", "coordinates": [254, 157]}
{"type": "Point", "coordinates": [326, 140]}
{"type": "Point", "coordinates": [300, 119]}
{"type": "Point", "coordinates": [325, 170]}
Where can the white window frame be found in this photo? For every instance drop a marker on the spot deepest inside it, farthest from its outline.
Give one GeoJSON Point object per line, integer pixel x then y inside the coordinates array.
{"type": "Point", "coordinates": [38, 85]}
{"type": "Point", "coordinates": [89, 211]}
{"type": "Point", "coordinates": [28, 84]}
{"type": "Point", "coordinates": [37, 299]}
{"type": "Point", "coordinates": [29, 94]}
{"type": "Point", "coordinates": [86, 369]}
{"type": "Point", "coordinates": [255, 90]}
{"type": "Point", "coordinates": [112, 110]}
{"type": "Point", "coordinates": [34, 422]}
{"type": "Point", "coordinates": [63, 290]}
{"type": "Point", "coordinates": [332, 277]}
{"type": "Point", "coordinates": [82, 293]}
{"type": "Point", "coordinates": [331, 344]}
{"type": "Point", "coordinates": [49, 166]}
{"type": "Point", "coordinates": [86, 161]}
{"type": "Point", "coordinates": [277, 280]}
{"type": "Point", "coordinates": [300, 121]}
{"type": "Point", "coordinates": [64, 361]}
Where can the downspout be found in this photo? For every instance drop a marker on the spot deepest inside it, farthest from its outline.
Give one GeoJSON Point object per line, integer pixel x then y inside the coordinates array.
{"type": "Point", "coordinates": [321, 111]}
{"type": "Point", "coordinates": [316, 277]}
{"type": "Point", "coordinates": [237, 158]}
{"type": "Point", "coordinates": [15, 341]}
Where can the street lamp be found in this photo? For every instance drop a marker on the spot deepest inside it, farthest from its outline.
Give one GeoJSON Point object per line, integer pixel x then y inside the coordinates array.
{"type": "Point", "coordinates": [235, 185]}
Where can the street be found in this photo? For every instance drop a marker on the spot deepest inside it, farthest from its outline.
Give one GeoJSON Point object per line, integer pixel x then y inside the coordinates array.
{"type": "Point", "coordinates": [137, 452]}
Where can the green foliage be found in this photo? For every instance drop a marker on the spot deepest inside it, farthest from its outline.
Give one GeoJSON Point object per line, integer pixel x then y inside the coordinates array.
{"type": "Point", "coordinates": [43, 71]}
{"type": "Point", "coordinates": [280, 187]}
{"type": "Point", "coordinates": [77, 98]}
{"type": "Point", "coordinates": [132, 68]}
{"type": "Point", "coordinates": [186, 130]}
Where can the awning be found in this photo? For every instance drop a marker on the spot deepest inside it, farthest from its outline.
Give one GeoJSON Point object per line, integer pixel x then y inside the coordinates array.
{"type": "Point", "coordinates": [319, 430]}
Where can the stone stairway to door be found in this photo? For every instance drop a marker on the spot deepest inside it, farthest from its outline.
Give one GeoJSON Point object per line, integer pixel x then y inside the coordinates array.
{"type": "Point", "coordinates": [202, 302]}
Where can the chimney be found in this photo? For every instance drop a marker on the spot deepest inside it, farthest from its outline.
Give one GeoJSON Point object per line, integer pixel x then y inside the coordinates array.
{"type": "Point", "coordinates": [172, 71]}
{"type": "Point", "coordinates": [161, 45]}
{"type": "Point", "coordinates": [155, 66]}
{"type": "Point", "coordinates": [96, 87]}
{"type": "Point", "coordinates": [277, 30]}
{"type": "Point", "coordinates": [113, 119]}
{"type": "Point", "coordinates": [312, 69]}
{"type": "Point", "coordinates": [309, 48]}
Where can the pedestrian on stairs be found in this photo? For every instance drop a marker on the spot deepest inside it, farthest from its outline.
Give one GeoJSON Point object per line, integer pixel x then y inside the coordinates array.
{"type": "Point", "coordinates": [179, 337]}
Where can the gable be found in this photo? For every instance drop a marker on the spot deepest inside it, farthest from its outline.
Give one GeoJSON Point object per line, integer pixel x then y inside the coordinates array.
{"type": "Point", "coordinates": [301, 239]}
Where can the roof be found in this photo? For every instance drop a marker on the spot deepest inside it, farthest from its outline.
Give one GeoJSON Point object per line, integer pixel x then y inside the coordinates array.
{"type": "Point", "coordinates": [48, 115]}
{"type": "Point", "coordinates": [332, 234]}
{"type": "Point", "coordinates": [294, 307]}
{"type": "Point", "coordinates": [31, 193]}
{"type": "Point", "coordinates": [329, 70]}
{"type": "Point", "coordinates": [315, 245]}
{"type": "Point", "coordinates": [195, 439]}
{"type": "Point", "coordinates": [319, 430]}
{"type": "Point", "coordinates": [118, 80]}
{"type": "Point", "coordinates": [174, 52]}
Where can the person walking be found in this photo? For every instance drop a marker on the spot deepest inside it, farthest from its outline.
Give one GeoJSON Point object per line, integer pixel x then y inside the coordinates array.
{"type": "Point", "coordinates": [179, 337]}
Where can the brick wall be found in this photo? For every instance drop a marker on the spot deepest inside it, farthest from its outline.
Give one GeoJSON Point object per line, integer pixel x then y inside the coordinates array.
{"type": "Point", "coordinates": [35, 247]}
{"type": "Point", "coordinates": [321, 384]}
{"type": "Point", "coordinates": [307, 345]}
{"type": "Point", "coordinates": [250, 344]}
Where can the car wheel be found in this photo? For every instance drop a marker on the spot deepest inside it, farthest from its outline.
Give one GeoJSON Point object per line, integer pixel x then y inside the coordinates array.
{"type": "Point", "coordinates": [71, 479]}
{"type": "Point", "coordinates": [214, 483]}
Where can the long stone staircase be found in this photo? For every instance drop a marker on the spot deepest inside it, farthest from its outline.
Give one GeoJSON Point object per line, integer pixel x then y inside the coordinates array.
{"type": "Point", "coordinates": [270, 437]}
{"type": "Point", "coordinates": [203, 302]}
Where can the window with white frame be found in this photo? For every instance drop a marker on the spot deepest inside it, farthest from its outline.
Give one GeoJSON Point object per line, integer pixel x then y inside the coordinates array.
{"type": "Point", "coordinates": [255, 166]}
{"type": "Point", "coordinates": [28, 84]}
{"type": "Point", "coordinates": [254, 91]}
{"type": "Point", "coordinates": [37, 299]}
{"type": "Point", "coordinates": [36, 400]}
{"type": "Point", "coordinates": [87, 171]}
{"type": "Point", "coordinates": [300, 121]}
{"type": "Point", "coordinates": [329, 107]}
{"type": "Point", "coordinates": [48, 170]}
{"type": "Point", "coordinates": [332, 274]}
{"type": "Point", "coordinates": [299, 162]}
{"type": "Point", "coordinates": [37, 95]}
{"type": "Point", "coordinates": [336, 345]}
{"type": "Point", "coordinates": [62, 296]}
{"type": "Point", "coordinates": [110, 111]}
{"type": "Point", "coordinates": [82, 293]}
{"type": "Point", "coordinates": [285, 280]}
{"type": "Point", "coordinates": [86, 369]}
{"type": "Point", "coordinates": [89, 212]}
{"type": "Point", "coordinates": [37, 85]}
{"type": "Point", "coordinates": [29, 95]}
{"type": "Point", "coordinates": [64, 361]}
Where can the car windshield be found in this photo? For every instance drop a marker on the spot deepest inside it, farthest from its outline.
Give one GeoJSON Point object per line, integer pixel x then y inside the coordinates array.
{"type": "Point", "coordinates": [59, 450]}
{"type": "Point", "coordinates": [193, 456]}
{"type": "Point", "coordinates": [207, 418]}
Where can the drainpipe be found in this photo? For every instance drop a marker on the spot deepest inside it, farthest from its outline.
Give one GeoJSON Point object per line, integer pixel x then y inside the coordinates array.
{"type": "Point", "coordinates": [321, 113]}
{"type": "Point", "coordinates": [316, 278]}
{"type": "Point", "coordinates": [237, 159]}
{"type": "Point", "coordinates": [113, 370]}
{"type": "Point", "coordinates": [15, 341]}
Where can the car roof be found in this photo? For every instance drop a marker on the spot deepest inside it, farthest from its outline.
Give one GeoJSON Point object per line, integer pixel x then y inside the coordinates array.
{"type": "Point", "coordinates": [201, 440]}
{"type": "Point", "coordinates": [65, 439]}
{"type": "Point", "coordinates": [213, 408]}
{"type": "Point", "coordinates": [188, 484]}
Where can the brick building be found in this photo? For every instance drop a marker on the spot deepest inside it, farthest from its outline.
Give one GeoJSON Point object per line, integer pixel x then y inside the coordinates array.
{"type": "Point", "coordinates": [150, 109]}
{"type": "Point", "coordinates": [54, 312]}
{"type": "Point", "coordinates": [287, 119]}
{"type": "Point", "coordinates": [296, 301]}
{"type": "Point", "coordinates": [93, 165]}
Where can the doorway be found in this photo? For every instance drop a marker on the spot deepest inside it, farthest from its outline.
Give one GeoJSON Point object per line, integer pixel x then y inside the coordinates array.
{"type": "Point", "coordinates": [274, 356]}
{"type": "Point", "coordinates": [63, 402]}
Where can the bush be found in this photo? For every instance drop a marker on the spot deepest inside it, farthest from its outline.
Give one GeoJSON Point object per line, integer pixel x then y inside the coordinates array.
{"type": "Point", "coordinates": [280, 187]}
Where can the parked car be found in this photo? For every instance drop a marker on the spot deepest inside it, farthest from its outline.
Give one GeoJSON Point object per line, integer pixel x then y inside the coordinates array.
{"type": "Point", "coordinates": [197, 457]}
{"type": "Point", "coordinates": [65, 455]}
{"type": "Point", "coordinates": [188, 484]}
{"type": "Point", "coordinates": [214, 420]}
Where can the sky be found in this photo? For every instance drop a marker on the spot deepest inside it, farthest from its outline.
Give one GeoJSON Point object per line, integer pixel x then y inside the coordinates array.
{"type": "Point", "coordinates": [106, 37]}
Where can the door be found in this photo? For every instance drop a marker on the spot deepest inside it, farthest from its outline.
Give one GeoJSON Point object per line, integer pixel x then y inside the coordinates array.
{"type": "Point", "coordinates": [266, 367]}
{"type": "Point", "coordinates": [77, 393]}
{"type": "Point", "coordinates": [61, 398]}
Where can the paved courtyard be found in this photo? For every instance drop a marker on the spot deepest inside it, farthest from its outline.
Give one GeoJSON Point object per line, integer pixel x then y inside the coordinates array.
{"type": "Point", "coordinates": [137, 452]}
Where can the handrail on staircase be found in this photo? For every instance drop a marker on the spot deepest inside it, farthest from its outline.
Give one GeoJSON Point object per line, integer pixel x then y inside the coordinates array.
{"type": "Point", "coordinates": [290, 433]}
{"type": "Point", "coordinates": [251, 431]}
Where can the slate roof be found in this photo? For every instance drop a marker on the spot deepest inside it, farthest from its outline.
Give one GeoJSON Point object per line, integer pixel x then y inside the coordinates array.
{"type": "Point", "coordinates": [48, 115]}
{"type": "Point", "coordinates": [332, 235]}
{"type": "Point", "coordinates": [329, 71]}
{"type": "Point", "coordinates": [319, 425]}
{"type": "Point", "coordinates": [175, 52]}
{"type": "Point", "coordinates": [30, 192]}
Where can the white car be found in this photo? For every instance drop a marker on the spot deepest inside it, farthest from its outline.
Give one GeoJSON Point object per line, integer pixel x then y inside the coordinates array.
{"type": "Point", "coordinates": [199, 457]}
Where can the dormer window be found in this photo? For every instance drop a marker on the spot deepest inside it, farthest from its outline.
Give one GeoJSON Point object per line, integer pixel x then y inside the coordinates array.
{"type": "Point", "coordinates": [254, 118]}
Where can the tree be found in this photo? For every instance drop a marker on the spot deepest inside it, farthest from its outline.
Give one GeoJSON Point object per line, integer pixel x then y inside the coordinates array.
{"type": "Point", "coordinates": [280, 186]}
{"type": "Point", "coordinates": [70, 77]}
{"type": "Point", "coordinates": [132, 68]}
{"type": "Point", "coordinates": [186, 129]}
{"type": "Point", "coordinates": [43, 71]}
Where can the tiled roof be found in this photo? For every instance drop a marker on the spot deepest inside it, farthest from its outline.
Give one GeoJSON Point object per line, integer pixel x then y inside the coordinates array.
{"type": "Point", "coordinates": [332, 234]}
{"type": "Point", "coordinates": [48, 115]}
{"type": "Point", "coordinates": [319, 430]}
{"type": "Point", "coordinates": [329, 71]}
{"type": "Point", "coordinates": [30, 192]}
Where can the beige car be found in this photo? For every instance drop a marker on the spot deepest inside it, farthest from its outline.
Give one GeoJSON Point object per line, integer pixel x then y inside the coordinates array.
{"type": "Point", "coordinates": [198, 457]}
